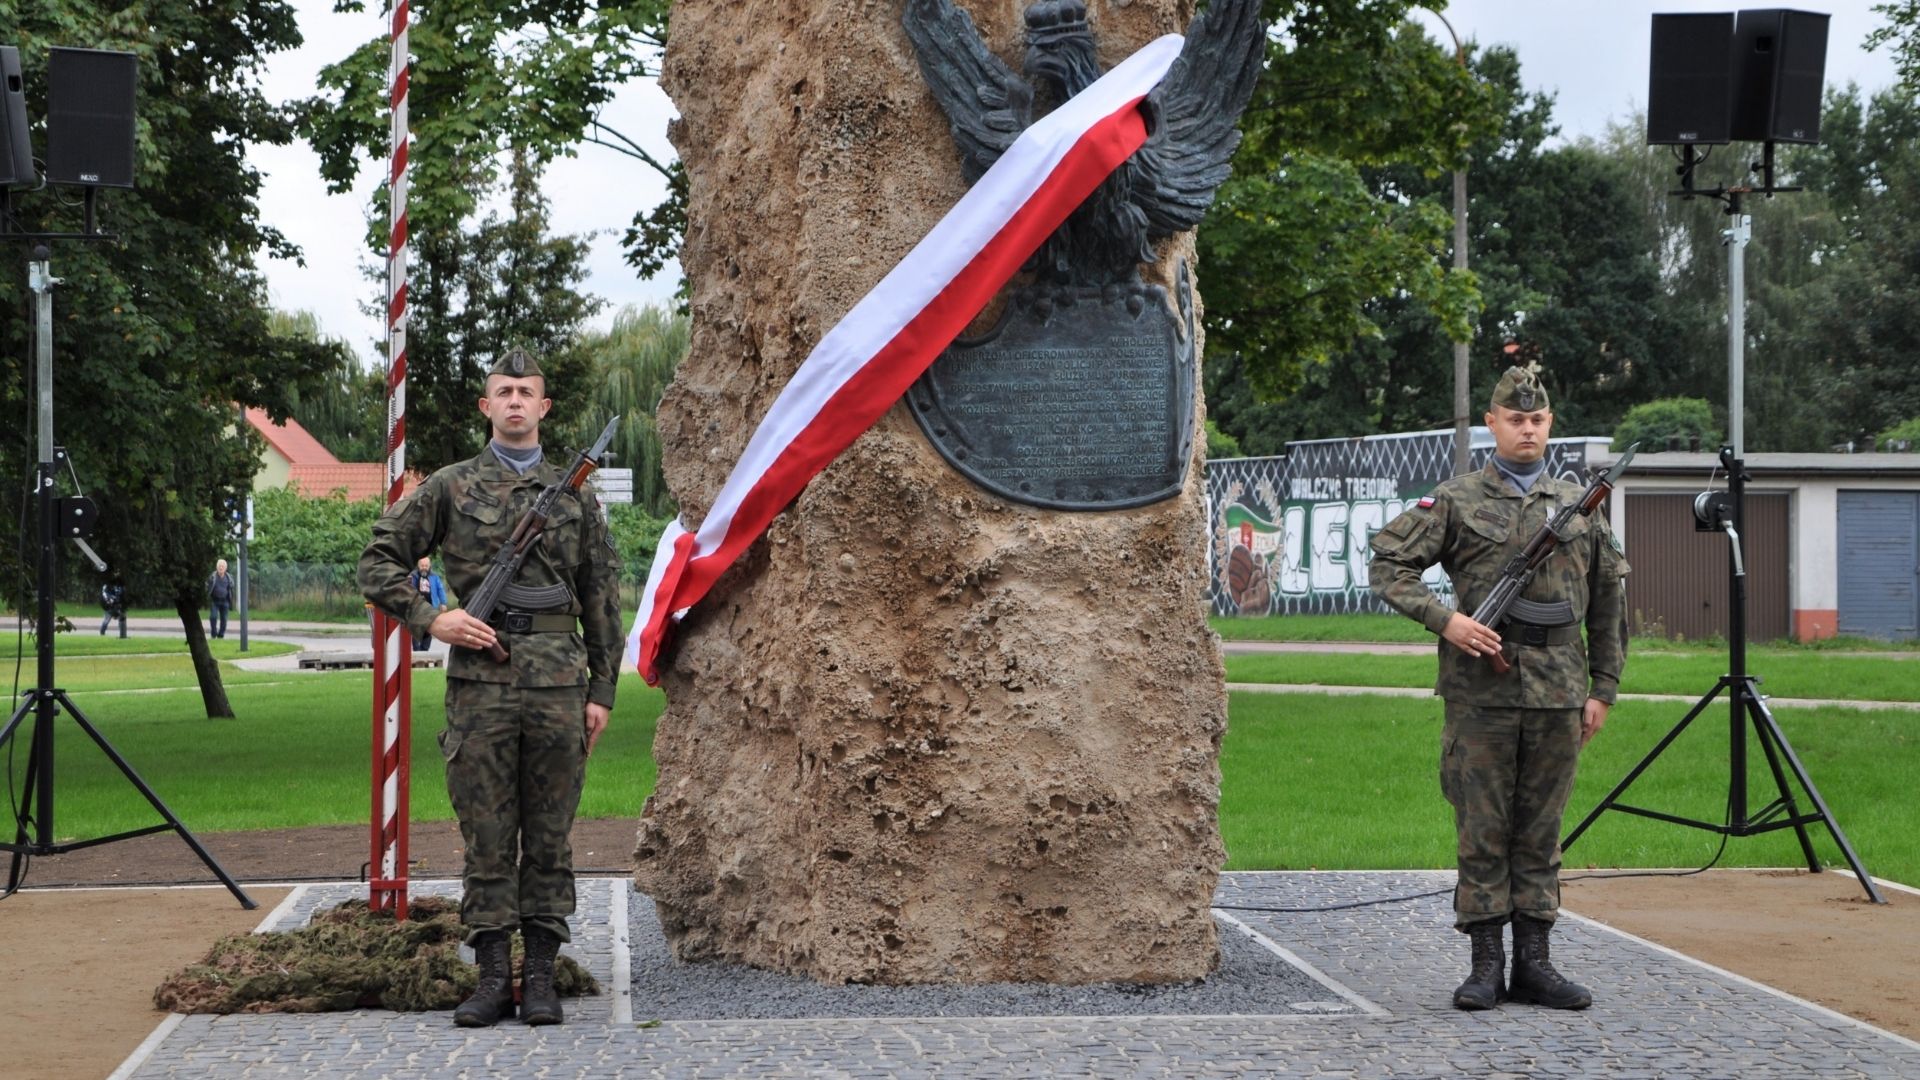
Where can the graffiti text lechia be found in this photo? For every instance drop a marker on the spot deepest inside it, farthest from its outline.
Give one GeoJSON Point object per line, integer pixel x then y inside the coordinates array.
{"type": "Point", "coordinates": [1291, 534]}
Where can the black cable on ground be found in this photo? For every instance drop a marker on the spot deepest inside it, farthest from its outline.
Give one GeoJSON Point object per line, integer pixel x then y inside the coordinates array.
{"type": "Point", "coordinates": [1336, 907]}
{"type": "Point", "coordinates": [1442, 892]}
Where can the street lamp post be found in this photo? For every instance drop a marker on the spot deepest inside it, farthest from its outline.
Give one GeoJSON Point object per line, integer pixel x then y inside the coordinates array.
{"type": "Point", "coordinates": [1462, 421]}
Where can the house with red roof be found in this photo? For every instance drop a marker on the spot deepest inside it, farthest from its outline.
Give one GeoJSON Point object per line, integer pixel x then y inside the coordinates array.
{"type": "Point", "coordinates": [295, 457]}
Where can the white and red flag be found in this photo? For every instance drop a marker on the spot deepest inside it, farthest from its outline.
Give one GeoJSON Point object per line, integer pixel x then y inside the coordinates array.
{"type": "Point", "coordinates": [876, 351]}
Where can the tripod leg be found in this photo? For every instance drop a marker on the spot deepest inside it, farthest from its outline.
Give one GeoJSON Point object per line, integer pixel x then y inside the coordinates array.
{"type": "Point", "coordinates": [19, 715]}
{"type": "Point", "coordinates": [1762, 716]}
{"type": "Point", "coordinates": [1620, 788]}
{"type": "Point", "coordinates": [1756, 709]}
{"type": "Point", "coordinates": [18, 866]}
{"type": "Point", "coordinates": [134, 777]}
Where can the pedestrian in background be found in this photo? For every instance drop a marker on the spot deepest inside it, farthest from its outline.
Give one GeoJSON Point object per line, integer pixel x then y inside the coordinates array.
{"type": "Point", "coordinates": [219, 598]}
{"type": "Point", "coordinates": [113, 600]}
{"type": "Point", "coordinates": [433, 591]}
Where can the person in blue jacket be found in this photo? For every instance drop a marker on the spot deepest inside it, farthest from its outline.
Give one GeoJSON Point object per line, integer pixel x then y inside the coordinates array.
{"type": "Point", "coordinates": [433, 591]}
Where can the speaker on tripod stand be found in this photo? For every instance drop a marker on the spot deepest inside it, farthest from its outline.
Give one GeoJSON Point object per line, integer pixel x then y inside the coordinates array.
{"type": "Point", "coordinates": [1725, 512]}
{"type": "Point", "coordinates": [1768, 65]}
{"type": "Point", "coordinates": [90, 143]}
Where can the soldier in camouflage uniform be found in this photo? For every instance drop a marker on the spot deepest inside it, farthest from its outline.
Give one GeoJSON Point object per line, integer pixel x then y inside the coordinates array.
{"type": "Point", "coordinates": [1511, 742]}
{"type": "Point", "coordinates": [518, 733]}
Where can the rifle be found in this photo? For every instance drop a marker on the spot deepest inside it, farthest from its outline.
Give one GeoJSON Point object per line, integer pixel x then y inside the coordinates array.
{"type": "Point", "coordinates": [498, 584]}
{"type": "Point", "coordinates": [1505, 599]}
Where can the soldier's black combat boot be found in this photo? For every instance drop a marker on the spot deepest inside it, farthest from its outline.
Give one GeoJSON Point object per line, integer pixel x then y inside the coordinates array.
{"type": "Point", "coordinates": [538, 1003]}
{"type": "Point", "coordinates": [1534, 979]}
{"type": "Point", "coordinates": [493, 997]}
{"type": "Point", "coordinates": [1484, 987]}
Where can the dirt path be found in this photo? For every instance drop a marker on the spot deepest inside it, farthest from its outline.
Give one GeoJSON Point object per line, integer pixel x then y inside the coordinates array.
{"type": "Point", "coordinates": [83, 963]}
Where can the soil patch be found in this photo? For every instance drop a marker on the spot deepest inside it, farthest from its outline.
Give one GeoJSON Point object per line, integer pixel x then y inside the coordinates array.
{"type": "Point", "coordinates": [1816, 936]}
{"type": "Point", "coordinates": [81, 968]}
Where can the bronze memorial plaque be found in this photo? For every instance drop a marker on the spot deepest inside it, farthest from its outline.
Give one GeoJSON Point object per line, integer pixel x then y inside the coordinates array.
{"type": "Point", "coordinates": [1081, 396]}
{"type": "Point", "coordinates": [1077, 399]}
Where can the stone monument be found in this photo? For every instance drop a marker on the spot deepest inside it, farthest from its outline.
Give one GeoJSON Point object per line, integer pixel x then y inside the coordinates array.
{"type": "Point", "coordinates": [957, 716]}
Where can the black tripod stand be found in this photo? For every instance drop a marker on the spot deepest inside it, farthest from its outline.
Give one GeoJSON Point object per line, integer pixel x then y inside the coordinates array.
{"type": "Point", "coordinates": [1726, 513]}
{"type": "Point", "coordinates": [46, 701]}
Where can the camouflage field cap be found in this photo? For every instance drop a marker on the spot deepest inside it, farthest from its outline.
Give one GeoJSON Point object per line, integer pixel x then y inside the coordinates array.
{"type": "Point", "coordinates": [518, 363]}
{"type": "Point", "coordinates": [1520, 389]}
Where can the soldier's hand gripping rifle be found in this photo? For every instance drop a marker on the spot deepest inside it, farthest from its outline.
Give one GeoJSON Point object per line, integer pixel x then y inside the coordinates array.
{"type": "Point", "coordinates": [1504, 601]}
{"type": "Point", "coordinates": [512, 554]}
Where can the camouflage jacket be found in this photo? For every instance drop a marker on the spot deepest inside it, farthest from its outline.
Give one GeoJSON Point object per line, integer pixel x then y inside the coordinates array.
{"type": "Point", "coordinates": [466, 512]}
{"type": "Point", "coordinates": [1472, 525]}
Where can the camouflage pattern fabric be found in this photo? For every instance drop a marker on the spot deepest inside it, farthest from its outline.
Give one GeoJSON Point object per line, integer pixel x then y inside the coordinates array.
{"type": "Point", "coordinates": [1520, 389]}
{"type": "Point", "coordinates": [1508, 773]}
{"type": "Point", "coordinates": [515, 741]}
{"type": "Point", "coordinates": [1475, 523]}
{"type": "Point", "coordinates": [516, 759]}
{"type": "Point", "coordinates": [1511, 744]}
{"type": "Point", "coordinates": [466, 512]}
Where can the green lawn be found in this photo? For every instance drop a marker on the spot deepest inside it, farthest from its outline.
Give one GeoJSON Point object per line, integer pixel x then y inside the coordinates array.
{"type": "Point", "coordinates": [91, 644]}
{"type": "Point", "coordinates": [1784, 672]}
{"type": "Point", "coordinates": [1391, 628]}
{"type": "Point", "coordinates": [1309, 780]}
{"type": "Point", "coordinates": [1352, 783]}
{"type": "Point", "coordinates": [297, 754]}
{"type": "Point", "coordinates": [89, 617]}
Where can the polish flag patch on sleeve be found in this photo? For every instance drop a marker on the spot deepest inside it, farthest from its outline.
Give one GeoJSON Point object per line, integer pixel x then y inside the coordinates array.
{"type": "Point", "coordinates": [1425, 503]}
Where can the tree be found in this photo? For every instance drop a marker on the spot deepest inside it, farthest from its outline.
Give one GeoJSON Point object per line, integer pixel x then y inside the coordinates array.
{"type": "Point", "coordinates": [1297, 242]}
{"type": "Point", "coordinates": [497, 92]}
{"type": "Point", "coordinates": [1903, 33]}
{"type": "Point", "coordinates": [158, 335]}
{"type": "Point", "coordinates": [476, 293]}
{"type": "Point", "coordinates": [1656, 423]}
{"type": "Point", "coordinates": [1903, 437]}
{"type": "Point", "coordinates": [630, 367]}
{"type": "Point", "coordinates": [1220, 444]}
{"type": "Point", "coordinates": [1584, 303]}
{"type": "Point", "coordinates": [1860, 331]}
{"type": "Point", "coordinates": [296, 528]}
{"type": "Point", "coordinates": [346, 406]}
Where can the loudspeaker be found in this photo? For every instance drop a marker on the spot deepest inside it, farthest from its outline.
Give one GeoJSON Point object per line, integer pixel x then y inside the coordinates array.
{"type": "Point", "coordinates": [16, 152]}
{"type": "Point", "coordinates": [1781, 57]}
{"type": "Point", "coordinates": [90, 117]}
{"type": "Point", "coordinates": [1690, 79]}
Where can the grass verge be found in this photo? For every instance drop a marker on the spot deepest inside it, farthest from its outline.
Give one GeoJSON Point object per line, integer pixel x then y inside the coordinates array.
{"type": "Point", "coordinates": [298, 753]}
{"type": "Point", "coordinates": [1784, 673]}
{"type": "Point", "coordinates": [1394, 628]}
{"type": "Point", "coordinates": [1352, 783]}
{"type": "Point", "coordinates": [86, 644]}
{"type": "Point", "coordinates": [1309, 780]}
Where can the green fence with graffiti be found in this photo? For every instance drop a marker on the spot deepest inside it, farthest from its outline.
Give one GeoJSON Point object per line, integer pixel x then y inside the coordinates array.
{"type": "Point", "coordinates": [1290, 533]}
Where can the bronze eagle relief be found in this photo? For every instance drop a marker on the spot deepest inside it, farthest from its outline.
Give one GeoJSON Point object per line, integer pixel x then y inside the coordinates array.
{"type": "Point", "coordinates": [1081, 396]}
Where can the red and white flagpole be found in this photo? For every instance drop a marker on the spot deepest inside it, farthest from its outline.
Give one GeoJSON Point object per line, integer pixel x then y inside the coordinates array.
{"type": "Point", "coordinates": [392, 644]}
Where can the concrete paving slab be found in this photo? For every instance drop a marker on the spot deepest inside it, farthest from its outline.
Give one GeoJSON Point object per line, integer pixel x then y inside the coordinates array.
{"type": "Point", "coordinates": [1657, 1014]}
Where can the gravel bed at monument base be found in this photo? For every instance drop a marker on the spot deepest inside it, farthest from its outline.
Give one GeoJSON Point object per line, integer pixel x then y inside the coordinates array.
{"type": "Point", "coordinates": [1251, 981]}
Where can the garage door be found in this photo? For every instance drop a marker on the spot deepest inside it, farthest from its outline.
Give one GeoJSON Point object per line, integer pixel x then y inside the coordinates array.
{"type": "Point", "coordinates": [1679, 582]}
{"type": "Point", "coordinates": [1880, 563]}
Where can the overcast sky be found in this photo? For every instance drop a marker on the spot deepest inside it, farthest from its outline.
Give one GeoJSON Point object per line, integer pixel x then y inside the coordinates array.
{"type": "Point", "coordinates": [1592, 54]}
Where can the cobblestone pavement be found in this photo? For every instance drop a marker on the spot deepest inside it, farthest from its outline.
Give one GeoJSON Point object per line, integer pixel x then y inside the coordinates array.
{"type": "Point", "coordinates": [1657, 1015]}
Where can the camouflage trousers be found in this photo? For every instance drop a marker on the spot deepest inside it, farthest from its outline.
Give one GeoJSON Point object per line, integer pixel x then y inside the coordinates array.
{"type": "Point", "coordinates": [516, 758]}
{"type": "Point", "coordinates": [1508, 773]}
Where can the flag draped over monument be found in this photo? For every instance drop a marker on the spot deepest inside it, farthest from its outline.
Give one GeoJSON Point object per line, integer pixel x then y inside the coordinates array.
{"type": "Point", "coordinates": [869, 359]}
